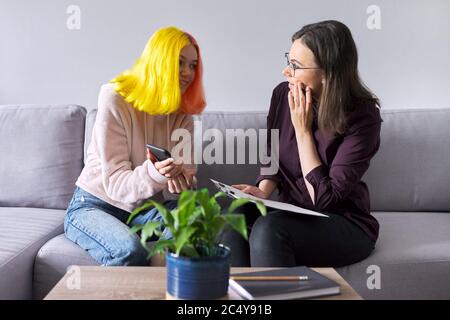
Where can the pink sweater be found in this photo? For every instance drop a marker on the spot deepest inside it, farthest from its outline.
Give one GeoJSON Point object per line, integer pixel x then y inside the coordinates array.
{"type": "Point", "coordinates": [116, 169]}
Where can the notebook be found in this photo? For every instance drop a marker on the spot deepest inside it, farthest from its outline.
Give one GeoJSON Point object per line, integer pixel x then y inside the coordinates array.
{"type": "Point", "coordinates": [317, 285]}
{"type": "Point", "coordinates": [236, 193]}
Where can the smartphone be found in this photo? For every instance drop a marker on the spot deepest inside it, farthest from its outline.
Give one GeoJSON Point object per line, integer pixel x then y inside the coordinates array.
{"type": "Point", "coordinates": [158, 153]}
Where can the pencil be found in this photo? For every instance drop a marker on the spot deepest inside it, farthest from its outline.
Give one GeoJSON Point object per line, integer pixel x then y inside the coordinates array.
{"type": "Point", "coordinates": [270, 278]}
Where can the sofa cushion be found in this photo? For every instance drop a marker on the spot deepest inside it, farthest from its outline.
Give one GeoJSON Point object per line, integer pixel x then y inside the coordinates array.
{"type": "Point", "coordinates": [52, 262]}
{"type": "Point", "coordinates": [413, 254]}
{"type": "Point", "coordinates": [234, 172]}
{"type": "Point", "coordinates": [410, 170]}
{"type": "Point", "coordinates": [22, 234]}
{"type": "Point", "coordinates": [44, 152]}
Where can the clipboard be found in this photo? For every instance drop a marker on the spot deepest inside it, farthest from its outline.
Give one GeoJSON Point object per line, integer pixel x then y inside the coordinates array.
{"type": "Point", "coordinates": [236, 194]}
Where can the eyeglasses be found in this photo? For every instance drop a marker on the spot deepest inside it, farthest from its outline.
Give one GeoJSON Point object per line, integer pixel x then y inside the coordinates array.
{"type": "Point", "coordinates": [293, 66]}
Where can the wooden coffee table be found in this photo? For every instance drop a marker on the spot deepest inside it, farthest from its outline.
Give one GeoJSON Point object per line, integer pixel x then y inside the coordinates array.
{"type": "Point", "coordinates": [146, 283]}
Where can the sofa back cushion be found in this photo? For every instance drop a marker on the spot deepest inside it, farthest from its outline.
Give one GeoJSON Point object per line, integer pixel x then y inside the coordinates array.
{"type": "Point", "coordinates": [41, 154]}
{"type": "Point", "coordinates": [232, 170]}
{"type": "Point", "coordinates": [410, 172]}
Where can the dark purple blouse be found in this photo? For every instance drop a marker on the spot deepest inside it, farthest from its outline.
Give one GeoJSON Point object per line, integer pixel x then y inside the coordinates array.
{"type": "Point", "coordinates": [345, 158]}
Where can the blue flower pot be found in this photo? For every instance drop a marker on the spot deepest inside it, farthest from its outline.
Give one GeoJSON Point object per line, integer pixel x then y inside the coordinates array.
{"type": "Point", "coordinates": [198, 278]}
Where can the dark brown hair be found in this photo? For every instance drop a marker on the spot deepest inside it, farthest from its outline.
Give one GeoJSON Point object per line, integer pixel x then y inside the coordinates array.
{"type": "Point", "coordinates": [335, 53]}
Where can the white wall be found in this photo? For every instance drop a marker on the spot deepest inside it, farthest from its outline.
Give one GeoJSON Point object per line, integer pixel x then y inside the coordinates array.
{"type": "Point", "coordinates": [41, 61]}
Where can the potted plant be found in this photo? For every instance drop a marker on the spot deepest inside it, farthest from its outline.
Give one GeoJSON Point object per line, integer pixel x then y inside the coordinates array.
{"type": "Point", "coordinates": [198, 266]}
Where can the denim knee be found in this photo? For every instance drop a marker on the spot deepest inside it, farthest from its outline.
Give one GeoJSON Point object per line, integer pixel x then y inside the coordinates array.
{"type": "Point", "coordinates": [131, 254]}
{"type": "Point", "coordinates": [101, 242]}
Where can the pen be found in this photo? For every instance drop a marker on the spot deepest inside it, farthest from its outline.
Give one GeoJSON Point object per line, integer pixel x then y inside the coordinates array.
{"type": "Point", "coordinates": [273, 278]}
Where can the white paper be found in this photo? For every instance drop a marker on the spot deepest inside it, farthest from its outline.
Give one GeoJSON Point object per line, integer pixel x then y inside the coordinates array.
{"type": "Point", "coordinates": [236, 193]}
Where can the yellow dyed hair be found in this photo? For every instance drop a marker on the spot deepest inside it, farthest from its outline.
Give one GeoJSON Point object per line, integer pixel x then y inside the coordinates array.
{"type": "Point", "coordinates": [152, 85]}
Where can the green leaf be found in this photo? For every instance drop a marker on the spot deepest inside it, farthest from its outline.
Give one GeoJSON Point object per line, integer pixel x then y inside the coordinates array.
{"type": "Point", "coordinates": [220, 194]}
{"type": "Point", "coordinates": [184, 197]}
{"type": "Point", "coordinates": [136, 228]}
{"type": "Point", "coordinates": [160, 247]}
{"type": "Point", "coordinates": [138, 210]}
{"type": "Point", "coordinates": [167, 217]}
{"type": "Point", "coordinates": [202, 196]}
{"type": "Point", "coordinates": [203, 200]}
{"type": "Point", "coordinates": [175, 218]}
{"type": "Point", "coordinates": [186, 207]}
{"type": "Point", "coordinates": [144, 237]}
{"type": "Point", "coordinates": [182, 237]}
{"type": "Point", "coordinates": [261, 207]}
{"type": "Point", "coordinates": [201, 228]}
{"type": "Point", "coordinates": [189, 251]}
{"type": "Point", "coordinates": [148, 230]}
{"type": "Point", "coordinates": [151, 226]}
{"type": "Point", "coordinates": [216, 228]}
{"type": "Point", "coordinates": [237, 222]}
{"type": "Point", "coordinates": [237, 203]}
{"type": "Point", "coordinates": [195, 215]}
{"type": "Point", "coordinates": [213, 209]}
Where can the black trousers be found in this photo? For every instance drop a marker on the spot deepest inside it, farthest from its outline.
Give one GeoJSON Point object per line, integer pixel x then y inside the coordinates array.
{"type": "Point", "coordinates": [287, 239]}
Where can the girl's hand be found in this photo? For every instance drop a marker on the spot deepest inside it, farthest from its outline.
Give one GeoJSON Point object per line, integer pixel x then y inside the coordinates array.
{"type": "Point", "coordinates": [179, 184]}
{"type": "Point", "coordinates": [300, 106]}
{"type": "Point", "coordinates": [190, 178]}
{"type": "Point", "coordinates": [185, 181]}
{"type": "Point", "coordinates": [168, 168]}
{"type": "Point", "coordinates": [252, 190]}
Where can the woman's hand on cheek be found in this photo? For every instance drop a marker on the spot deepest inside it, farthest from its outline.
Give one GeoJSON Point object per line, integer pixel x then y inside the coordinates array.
{"type": "Point", "coordinates": [300, 105]}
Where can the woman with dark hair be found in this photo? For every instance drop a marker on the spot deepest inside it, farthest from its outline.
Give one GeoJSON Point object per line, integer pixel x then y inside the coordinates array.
{"type": "Point", "coordinates": [329, 128]}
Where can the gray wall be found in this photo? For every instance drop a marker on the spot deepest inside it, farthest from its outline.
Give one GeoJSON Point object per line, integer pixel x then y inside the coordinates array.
{"type": "Point", "coordinates": [406, 62]}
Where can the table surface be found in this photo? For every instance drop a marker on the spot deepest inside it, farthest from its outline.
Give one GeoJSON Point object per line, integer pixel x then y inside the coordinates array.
{"type": "Point", "coordinates": [146, 283]}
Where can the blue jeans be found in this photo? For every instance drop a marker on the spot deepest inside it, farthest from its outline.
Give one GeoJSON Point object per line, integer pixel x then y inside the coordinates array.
{"type": "Point", "coordinates": [101, 230]}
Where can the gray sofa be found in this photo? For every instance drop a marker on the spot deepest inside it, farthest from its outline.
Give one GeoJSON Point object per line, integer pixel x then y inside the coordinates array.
{"type": "Point", "coordinates": [42, 150]}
